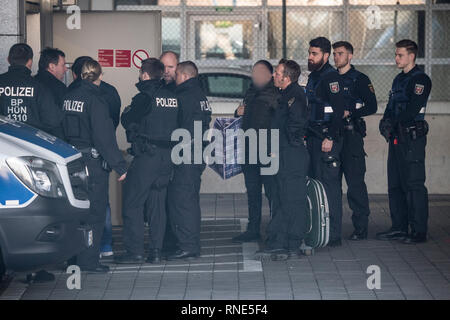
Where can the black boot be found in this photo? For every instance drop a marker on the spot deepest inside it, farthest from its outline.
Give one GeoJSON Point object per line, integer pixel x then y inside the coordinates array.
{"type": "Point", "coordinates": [414, 238]}
{"type": "Point", "coordinates": [129, 258]}
{"type": "Point", "coordinates": [154, 257]}
{"type": "Point", "coordinates": [247, 236]}
{"type": "Point", "coordinates": [391, 235]}
{"type": "Point", "coordinates": [181, 254]}
{"type": "Point", "coordinates": [358, 235]}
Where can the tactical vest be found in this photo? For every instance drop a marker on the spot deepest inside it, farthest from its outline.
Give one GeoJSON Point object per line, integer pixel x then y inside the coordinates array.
{"type": "Point", "coordinates": [398, 99]}
{"type": "Point", "coordinates": [76, 122]}
{"type": "Point", "coordinates": [349, 80]}
{"type": "Point", "coordinates": [315, 103]}
{"type": "Point", "coordinates": [159, 124]}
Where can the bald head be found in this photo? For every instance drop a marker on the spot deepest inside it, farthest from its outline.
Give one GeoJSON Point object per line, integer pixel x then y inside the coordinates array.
{"type": "Point", "coordinates": [185, 71]}
{"type": "Point", "coordinates": [170, 60]}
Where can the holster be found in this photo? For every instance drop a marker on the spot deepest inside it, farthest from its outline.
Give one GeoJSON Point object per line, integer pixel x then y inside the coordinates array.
{"type": "Point", "coordinates": [412, 132]}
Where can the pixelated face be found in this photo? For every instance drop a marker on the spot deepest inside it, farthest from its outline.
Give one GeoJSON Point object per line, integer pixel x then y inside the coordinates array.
{"type": "Point", "coordinates": [316, 58]}
{"type": "Point", "coordinates": [170, 66]}
{"type": "Point", "coordinates": [59, 69]}
{"type": "Point", "coordinates": [403, 58]}
{"type": "Point", "coordinates": [278, 77]}
{"type": "Point", "coordinates": [341, 57]}
{"type": "Point", "coordinates": [261, 75]}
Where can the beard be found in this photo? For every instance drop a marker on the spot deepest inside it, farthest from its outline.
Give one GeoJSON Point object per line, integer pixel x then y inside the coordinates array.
{"type": "Point", "coordinates": [315, 66]}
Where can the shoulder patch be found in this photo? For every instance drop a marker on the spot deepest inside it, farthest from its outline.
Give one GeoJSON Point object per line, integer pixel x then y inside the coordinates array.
{"type": "Point", "coordinates": [334, 87]}
{"type": "Point", "coordinates": [291, 102]}
{"type": "Point", "coordinates": [371, 88]}
{"type": "Point", "coordinates": [418, 89]}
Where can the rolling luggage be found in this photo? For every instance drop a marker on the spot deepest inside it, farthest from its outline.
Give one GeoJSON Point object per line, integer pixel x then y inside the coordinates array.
{"type": "Point", "coordinates": [318, 217]}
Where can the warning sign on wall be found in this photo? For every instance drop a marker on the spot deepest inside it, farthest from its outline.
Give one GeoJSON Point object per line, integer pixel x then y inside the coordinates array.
{"type": "Point", "coordinates": [106, 57]}
{"type": "Point", "coordinates": [139, 56]}
{"type": "Point", "coordinates": [123, 58]}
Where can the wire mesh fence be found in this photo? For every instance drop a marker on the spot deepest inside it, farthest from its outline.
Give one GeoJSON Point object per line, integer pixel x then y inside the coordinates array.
{"type": "Point", "coordinates": [236, 33]}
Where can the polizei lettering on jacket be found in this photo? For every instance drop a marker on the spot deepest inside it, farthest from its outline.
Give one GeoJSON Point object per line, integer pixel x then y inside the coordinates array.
{"type": "Point", "coordinates": [167, 102]}
{"type": "Point", "coordinates": [17, 91]}
{"type": "Point", "coordinates": [74, 106]}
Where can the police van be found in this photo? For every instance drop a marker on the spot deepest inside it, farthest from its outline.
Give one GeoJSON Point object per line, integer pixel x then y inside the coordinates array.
{"type": "Point", "coordinates": [43, 198]}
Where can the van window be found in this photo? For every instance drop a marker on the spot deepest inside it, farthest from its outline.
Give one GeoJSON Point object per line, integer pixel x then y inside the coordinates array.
{"type": "Point", "coordinates": [225, 85]}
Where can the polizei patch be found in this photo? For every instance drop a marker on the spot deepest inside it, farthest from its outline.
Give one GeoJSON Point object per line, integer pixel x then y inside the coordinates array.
{"type": "Point", "coordinates": [334, 87]}
{"type": "Point", "coordinates": [419, 89]}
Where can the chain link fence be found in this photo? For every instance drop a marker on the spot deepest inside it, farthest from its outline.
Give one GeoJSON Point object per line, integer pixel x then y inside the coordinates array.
{"type": "Point", "coordinates": [236, 33]}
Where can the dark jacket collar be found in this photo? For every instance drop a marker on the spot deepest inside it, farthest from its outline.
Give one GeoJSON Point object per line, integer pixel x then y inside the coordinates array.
{"type": "Point", "coordinates": [323, 69]}
{"type": "Point", "coordinates": [188, 84]}
{"type": "Point", "coordinates": [86, 84]}
{"type": "Point", "coordinates": [19, 69]}
{"type": "Point", "coordinates": [149, 86]}
{"type": "Point", "coordinates": [47, 75]}
{"type": "Point", "coordinates": [416, 67]}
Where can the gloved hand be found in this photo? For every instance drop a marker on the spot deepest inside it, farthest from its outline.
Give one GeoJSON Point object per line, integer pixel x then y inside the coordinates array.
{"type": "Point", "coordinates": [386, 128]}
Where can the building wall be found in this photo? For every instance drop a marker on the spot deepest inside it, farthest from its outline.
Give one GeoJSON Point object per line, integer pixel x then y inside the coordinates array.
{"type": "Point", "coordinates": [9, 30]}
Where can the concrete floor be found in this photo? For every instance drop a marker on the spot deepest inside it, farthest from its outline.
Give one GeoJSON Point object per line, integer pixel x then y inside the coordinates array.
{"type": "Point", "coordinates": [228, 271]}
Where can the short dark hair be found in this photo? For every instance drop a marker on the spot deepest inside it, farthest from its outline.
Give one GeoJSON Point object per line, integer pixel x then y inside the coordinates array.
{"type": "Point", "coordinates": [409, 45]}
{"type": "Point", "coordinates": [189, 68]}
{"type": "Point", "coordinates": [78, 65]}
{"type": "Point", "coordinates": [347, 45]}
{"type": "Point", "coordinates": [291, 70]}
{"type": "Point", "coordinates": [49, 55]}
{"type": "Point", "coordinates": [20, 54]}
{"type": "Point", "coordinates": [321, 42]}
{"type": "Point", "coordinates": [177, 56]}
{"type": "Point", "coordinates": [153, 67]}
{"type": "Point", "coordinates": [265, 63]}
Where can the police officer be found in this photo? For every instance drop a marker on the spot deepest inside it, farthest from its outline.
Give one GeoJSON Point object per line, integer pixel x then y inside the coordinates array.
{"type": "Point", "coordinates": [287, 228]}
{"type": "Point", "coordinates": [324, 142]}
{"type": "Point", "coordinates": [112, 98]}
{"type": "Point", "coordinates": [108, 91]}
{"type": "Point", "coordinates": [170, 61]}
{"type": "Point", "coordinates": [404, 127]}
{"type": "Point", "coordinates": [22, 97]}
{"type": "Point", "coordinates": [154, 113]}
{"type": "Point", "coordinates": [257, 111]}
{"type": "Point", "coordinates": [184, 189]}
{"type": "Point", "coordinates": [88, 126]}
{"type": "Point", "coordinates": [360, 101]}
{"type": "Point", "coordinates": [52, 69]}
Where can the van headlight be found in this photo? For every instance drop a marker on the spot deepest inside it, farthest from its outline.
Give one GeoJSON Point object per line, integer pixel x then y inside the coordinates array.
{"type": "Point", "coordinates": [41, 176]}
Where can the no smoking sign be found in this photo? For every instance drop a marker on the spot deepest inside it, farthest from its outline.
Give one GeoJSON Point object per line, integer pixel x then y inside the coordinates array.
{"type": "Point", "coordinates": [138, 57]}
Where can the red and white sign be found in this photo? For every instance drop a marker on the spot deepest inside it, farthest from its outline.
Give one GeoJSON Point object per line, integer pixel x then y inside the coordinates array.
{"type": "Point", "coordinates": [123, 58]}
{"type": "Point", "coordinates": [106, 57]}
{"type": "Point", "coordinates": [139, 56]}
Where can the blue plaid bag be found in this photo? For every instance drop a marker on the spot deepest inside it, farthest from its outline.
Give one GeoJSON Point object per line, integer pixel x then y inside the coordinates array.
{"type": "Point", "coordinates": [227, 170]}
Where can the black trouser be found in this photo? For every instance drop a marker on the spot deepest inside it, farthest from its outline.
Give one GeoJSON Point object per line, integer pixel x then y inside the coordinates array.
{"type": "Point", "coordinates": [354, 169]}
{"type": "Point", "coordinates": [253, 183]}
{"type": "Point", "coordinates": [184, 206]}
{"type": "Point", "coordinates": [408, 196]}
{"type": "Point", "coordinates": [327, 172]}
{"type": "Point", "coordinates": [288, 225]}
{"type": "Point", "coordinates": [153, 201]}
{"type": "Point", "coordinates": [147, 172]}
{"type": "Point", "coordinates": [98, 198]}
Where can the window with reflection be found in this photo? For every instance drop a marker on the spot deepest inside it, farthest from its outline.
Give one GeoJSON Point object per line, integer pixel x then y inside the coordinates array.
{"type": "Point", "coordinates": [379, 42]}
{"type": "Point", "coordinates": [301, 28]}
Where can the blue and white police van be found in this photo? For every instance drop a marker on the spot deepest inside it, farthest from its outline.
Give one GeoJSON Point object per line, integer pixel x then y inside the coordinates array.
{"type": "Point", "coordinates": [43, 198]}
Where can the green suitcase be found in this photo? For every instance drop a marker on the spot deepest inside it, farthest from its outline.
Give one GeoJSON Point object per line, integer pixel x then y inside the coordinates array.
{"type": "Point", "coordinates": [318, 217]}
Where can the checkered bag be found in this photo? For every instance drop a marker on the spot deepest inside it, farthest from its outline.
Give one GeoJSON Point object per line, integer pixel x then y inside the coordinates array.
{"type": "Point", "coordinates": [232, 168]}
